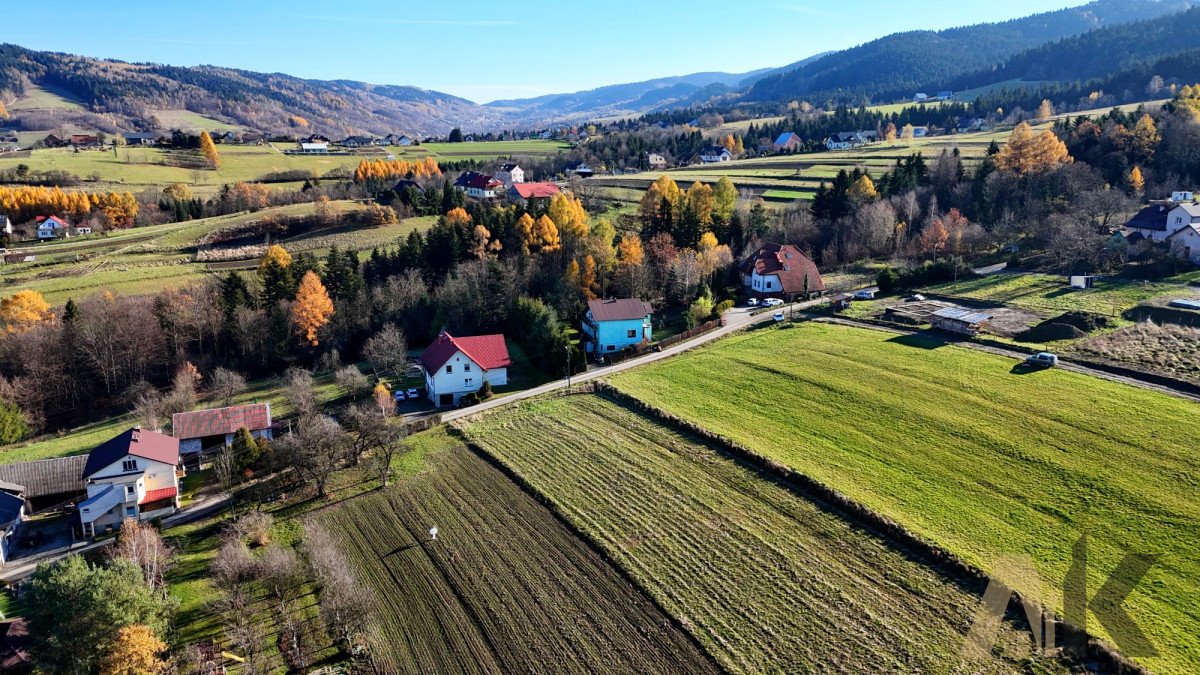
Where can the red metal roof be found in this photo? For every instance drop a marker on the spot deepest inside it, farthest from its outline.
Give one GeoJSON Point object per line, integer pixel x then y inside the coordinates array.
{"type": "Point", "coordinates": [137, 442]}
{"type": "Point", "coordinates": [255, 417]}
{"type": "Point", "coordinates": [487, 351]}
{"type": "Point", "coordinates": [535, 190]}
{"type": "Point", "coordinates": [158, 495]}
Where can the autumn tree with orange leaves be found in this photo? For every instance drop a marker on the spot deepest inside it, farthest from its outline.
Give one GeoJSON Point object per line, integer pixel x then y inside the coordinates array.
{"type": "Point", "coordinates": [209, 150]}
{"type": "Point", "coordinates": [312, 307]}
{"type": "Point", "coordinates": [135, 651]}
{"type": "Point", "coordinates": [386, 169]}
{"type": "Point", "coordinates": [1026, 154]}
{"type": "Point", "coordinates": [24, 310]}
{"type": "Point", "coordinates": [24, 203]}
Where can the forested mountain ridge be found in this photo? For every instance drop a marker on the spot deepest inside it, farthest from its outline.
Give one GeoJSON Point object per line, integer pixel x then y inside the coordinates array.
{"type": "Point", "coordinates": [125, 96]}
{"type": "Point", "coordinates": [897, 65]}
{"type": "Point", "coordinates": [1097, 53]}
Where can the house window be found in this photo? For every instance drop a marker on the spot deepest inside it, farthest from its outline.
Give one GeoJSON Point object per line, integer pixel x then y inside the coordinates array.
{"type": "Point", "coordinates": [467, 367]}
{"type": "Point", "coordinates": [768, 286]}
{"type": "Point", "coordinates": [468, 381]}
{"type": "Point", "coordinates": [130, 489]}
{"type": "Point", "coordinates": [449, 369]}
{"type": "Point", "coordinates": [131, 511]}
{"type": "Point", "coordinates": [631, 334]}
{"type": "Point", "coordinates": [610, 348]}
{"type": "Point", "coordinates": [129, 465]}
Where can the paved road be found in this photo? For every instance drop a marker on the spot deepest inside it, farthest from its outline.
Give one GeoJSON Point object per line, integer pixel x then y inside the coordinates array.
{"type": "Point", "coordinates": [735, 319]}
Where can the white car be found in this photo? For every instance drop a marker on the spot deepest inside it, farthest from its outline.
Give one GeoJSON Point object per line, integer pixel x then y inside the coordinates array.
{"type": "Point", "coordinates": [865, 295]}
{"type": "Point", "coordinates": [772, 302]}
{"type": "Point", "coordinates": [413, 393]}
{"type": "Point", "coordinates": [752, 302]}
{"type": "Point", "coordinates": [777, 316]}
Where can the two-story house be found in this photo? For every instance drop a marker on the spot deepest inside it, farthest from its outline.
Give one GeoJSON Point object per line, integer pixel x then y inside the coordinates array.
{"type": "Point", "coordinates": [51, 227]}
{"type": "Point", "coordinates": [787, 142]}
{"type": "Point", "coordinates": [1175, 220]}
{"type": "Point", "coordinates": [612, 325]}
{"type": "Point", "coordinates": [527, 194]}
{"type": "Point", "coordinates": [131, 476]}
{"type": "Point", "coordinates": [781, 270]}
{"type": "Point", "coordinates": [457, 366]}
{"type": "Point", "coordinates": [656, 161]}
{"type": "Point", "coordinates": [478, 185]}
{"type": "Point", "coordinates": [510, 174]}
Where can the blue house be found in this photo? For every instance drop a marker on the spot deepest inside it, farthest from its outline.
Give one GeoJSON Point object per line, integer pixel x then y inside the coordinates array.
{"type": "Point", "coordinates": [613, 325]}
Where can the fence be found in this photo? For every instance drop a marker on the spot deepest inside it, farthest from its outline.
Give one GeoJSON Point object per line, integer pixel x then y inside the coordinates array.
{"type": "Point", "coordinates": [691, 333]}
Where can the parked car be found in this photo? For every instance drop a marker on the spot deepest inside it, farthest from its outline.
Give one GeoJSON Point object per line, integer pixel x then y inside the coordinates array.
{"type": "Point", "coordinates": [772, 302]}
{"type": "Point", "coordinates": [752, 302]}
{"type": "Point", "coordinates": [915, 297]}
{"type": "Point", "coordinates": [865, 294]}
{"type": "Point", "coordinates": [1042, 360]}
{"type": "Point", "coordinates": [777, 316]}
{"type": "Point", "coordinates": [413, 393]}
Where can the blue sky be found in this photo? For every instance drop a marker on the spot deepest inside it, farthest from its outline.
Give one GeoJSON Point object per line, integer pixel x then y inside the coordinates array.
{"type": "Point", "coordinates": [482, 50]}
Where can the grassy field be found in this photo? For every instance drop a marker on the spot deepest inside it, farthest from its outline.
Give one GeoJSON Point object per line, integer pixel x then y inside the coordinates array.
{"type": "Point", "coordinates": [81, 440]}
{"type": "Point", "coordinates": [766, 580]}
{"type": "Point", "coordinates": [965, 450]}
{"type": "Point", "coordinates": [148, 259]}
{"type": "Point", "coordinates": [192, 121]}
{"type": "Point", "coordinates": [139, 166]}
{"type": "Point", "coordinates": [1052, 293]}
{"type": "Point", "coordinates": [506, 587]}
{"type": "Point", "coordinates": [39, 98]}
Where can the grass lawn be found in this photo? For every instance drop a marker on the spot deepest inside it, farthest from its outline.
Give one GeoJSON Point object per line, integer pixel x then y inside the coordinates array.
{"type": "Point", "coordinates": [1051, 293]}
{"type": "Point", "coordinates": [41, 98]}
{"type": "Point", "coordinates": [763, 578]}
{"type": "Point", "coordinates": [960, 448]}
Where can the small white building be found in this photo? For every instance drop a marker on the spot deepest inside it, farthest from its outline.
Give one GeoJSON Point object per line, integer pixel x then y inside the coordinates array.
{"type": "Point", "coordinates": [510, 174]}
{"type": "Point", "coordinates": [457, 366]}
{"type": "Point", "coordinates": [131, 476]}
{"type": "Point", "coordinates": [314, 148]}
{"type": "Point", "coordinates": [656, 161]}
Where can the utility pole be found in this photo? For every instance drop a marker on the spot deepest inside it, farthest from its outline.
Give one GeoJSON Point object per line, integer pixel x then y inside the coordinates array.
{"type": "Point", "coordinates": [568, 350]}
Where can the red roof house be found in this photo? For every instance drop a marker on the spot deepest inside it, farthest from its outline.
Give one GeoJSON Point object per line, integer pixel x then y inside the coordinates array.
{"type": "Point", "coordinates": [781, 270]}
{"type": "Point", "coordinates": [456, 366]}
{"type": "Point", "coordinates": [524, 192]}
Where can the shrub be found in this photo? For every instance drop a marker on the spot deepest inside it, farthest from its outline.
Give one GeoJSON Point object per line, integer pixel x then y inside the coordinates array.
{"type": "Point", "coordinates": [888, 280]}
{"type": "Point", "coordinates": [721, 308]}
{"type": "Point", "coordinates": [485, 392]}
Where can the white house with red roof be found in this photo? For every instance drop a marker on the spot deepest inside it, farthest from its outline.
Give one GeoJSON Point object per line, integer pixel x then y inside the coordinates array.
{"type": "Point", "coordinates": [201, 430]}
{"type": "Point", "coordinates": [781, 270]}
{"type": "Point", "coordinates": [457, 366]}
{"type": "Point", "coordinates": [131, 476]}
{"type": "Point", "coordinates": [52, 227]}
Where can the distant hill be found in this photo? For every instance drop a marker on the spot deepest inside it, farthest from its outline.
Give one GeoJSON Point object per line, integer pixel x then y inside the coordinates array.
{"type": "Point", "coordinates": [636, 97]}
{"type": "Point", "coordinates": [119, 95]}
{"type": "Point", "coordinates": [1097, 54]}
{"type": "Point", "coordinates": [626, 99]}
{"type": "Point", "coordinates": [897, 65]}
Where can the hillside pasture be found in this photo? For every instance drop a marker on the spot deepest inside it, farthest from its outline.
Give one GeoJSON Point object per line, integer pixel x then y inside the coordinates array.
{"type": "Point", "coordinates": [969, 452]}
{"type": "Point", "coordinates": [764, 578]}
{"type": "Point", "coordinates": [43, 98]}
{"type": "Point", "coordinates": [505, 587]}
{"type": "Point", "coordinates": [148, 259]}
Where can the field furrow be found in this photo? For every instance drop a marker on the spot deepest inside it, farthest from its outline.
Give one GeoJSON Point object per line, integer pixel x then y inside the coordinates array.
{"type": "Point", "coordinates": [765, 578]}
{"type": "Point", "coordinates": [506, 587]}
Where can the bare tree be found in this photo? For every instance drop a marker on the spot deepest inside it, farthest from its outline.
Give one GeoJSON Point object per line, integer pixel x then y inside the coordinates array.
{"type": "Point", "coordinates": [387, 351]}
{"type": "Point", "coordinates": [150, 408]}
{"type": "Point", "coordinates": [225, 384]}
{"type": "Point", "coordinates": [300, 392]}
{"type": "Point", "coordinates": [345, 605]}
{"type": "Point", "coordinates": [225, 467]}
{"type": "Point", "coordinates": [316, 450]}
{"type": "Point", "coordinates": [352, 380]}
{"type": "Point", "coordinates": [141, 544]}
